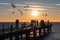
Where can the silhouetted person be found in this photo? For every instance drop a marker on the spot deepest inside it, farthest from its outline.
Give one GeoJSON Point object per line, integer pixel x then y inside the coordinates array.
{"type": "Point", "coordinates": [17, 24]}
{"type": "Point", "coordinates": [34, 23]}
{"type": "Point", "coordinates": [42, 23]}
{"type": "Point", "coordinates": [48, 22]}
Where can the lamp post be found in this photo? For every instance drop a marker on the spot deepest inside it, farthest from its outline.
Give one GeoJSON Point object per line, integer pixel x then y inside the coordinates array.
{"type": "Point", "coordinates": [45, 15]}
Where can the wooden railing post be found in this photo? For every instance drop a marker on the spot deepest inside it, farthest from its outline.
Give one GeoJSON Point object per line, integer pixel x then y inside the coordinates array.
{"type": "Point", "coordinates": [21, 36]}
{"type": "Point", "coordinates": [17, 37]}
{"type": "Point", "coordinates": [3, 29]}
{"type": "Point", "coordinates": [34, 33]}
{"type": "Point", "coordinates": [27, 35]}
{"type": "Point", "coordinates": [11, 28]}
{"type": "Point", "coordinates": [40, 32]}
{"type": "Point", "coordinates": [50, 28]}
{"type": "Point", "coordinates": [44, 30]}
{"type": "Point", "coordinates": [11, 38]}
{"type": "Point", "coordinates": [3, 33]}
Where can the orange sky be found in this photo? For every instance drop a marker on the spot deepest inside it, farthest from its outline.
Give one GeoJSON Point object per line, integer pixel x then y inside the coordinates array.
{"type": "Point", "coordinates": [26, 17]}
{"type": "Point", "coordinates": [51, 9]}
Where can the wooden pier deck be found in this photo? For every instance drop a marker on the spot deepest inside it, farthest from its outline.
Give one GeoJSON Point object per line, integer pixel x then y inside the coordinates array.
{"type": "Point", "coordinates": [10, 34]}
{"type": "Point", "coordinates": [41, 31]}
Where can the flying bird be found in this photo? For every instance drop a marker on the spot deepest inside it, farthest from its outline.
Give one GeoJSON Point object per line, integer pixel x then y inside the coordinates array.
{"type": "Point", "coordinates": [21, 12]}
{"type": "Point", "coordinates": [13, 5]}
{"type": "Point", "coordinates": [26, 7]}
{"type": "Point", "coordinates": [12, 12]}
{"type": "Point", "coordinates": [18, 9]}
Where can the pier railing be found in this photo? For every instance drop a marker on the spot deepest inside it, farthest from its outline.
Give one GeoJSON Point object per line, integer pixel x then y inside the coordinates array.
{"type": "Point", "coordinates": [16, 32]}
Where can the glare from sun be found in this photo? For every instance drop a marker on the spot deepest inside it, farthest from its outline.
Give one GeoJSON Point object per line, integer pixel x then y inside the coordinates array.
{"type": "Point", "coordinates": [34, 13]}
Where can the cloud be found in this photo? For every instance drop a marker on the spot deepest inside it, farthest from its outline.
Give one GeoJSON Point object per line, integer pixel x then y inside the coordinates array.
{"type": "Point", "coordinates": [9, 9]}
{"type": "Point", "coordinates": [57, 4]}
{"type": "Point", "coordinates": [32, 6]}
{"type": "Point", "coordinates": [35, 9]}
{"type": "Point", "coordinates": [5, 3]}
{"type": "Point", "coordinates": [20, 5]}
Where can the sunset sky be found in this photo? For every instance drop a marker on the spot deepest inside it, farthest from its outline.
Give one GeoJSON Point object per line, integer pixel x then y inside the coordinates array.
{"type": "Point", "coordinates": [49, 7]}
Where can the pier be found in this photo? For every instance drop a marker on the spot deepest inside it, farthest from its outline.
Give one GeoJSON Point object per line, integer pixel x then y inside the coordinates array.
{"type": "Point", "coordinates": [38, 31]}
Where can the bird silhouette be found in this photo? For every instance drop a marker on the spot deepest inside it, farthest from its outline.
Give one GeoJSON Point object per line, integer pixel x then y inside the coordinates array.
{"type": "Point", "coordinates": [21, 12]}
{"type": "Point", "coordinates": [13, 5]}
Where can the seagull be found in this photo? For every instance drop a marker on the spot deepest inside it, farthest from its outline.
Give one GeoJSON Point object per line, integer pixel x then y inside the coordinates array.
{"type": "Point", "coordinates": [18, 9]}
{"type": "Point", "coordinates": [12, 12]}
{"type": "Point", "coordinates": [13, 5]}
{"type": "Point", "coordinates": [26, 7]}
{"type": "Point", "coordinates": [21, 12]}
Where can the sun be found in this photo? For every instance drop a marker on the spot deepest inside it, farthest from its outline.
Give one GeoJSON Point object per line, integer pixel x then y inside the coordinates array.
{"type": "Point", "coordinates": [34, 13]}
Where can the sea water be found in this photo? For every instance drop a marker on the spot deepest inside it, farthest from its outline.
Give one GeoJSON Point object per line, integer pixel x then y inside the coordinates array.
{"type": "Point", "coordinates": [55, 34]}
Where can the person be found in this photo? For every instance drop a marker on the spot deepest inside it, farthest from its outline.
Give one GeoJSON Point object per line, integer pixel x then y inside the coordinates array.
{"type": "Point", "coordinates": [48, 22]}
{"type": "Point", "coordinates": [42, 24]}
{"type": "Point", "coordinates": [17, 24]}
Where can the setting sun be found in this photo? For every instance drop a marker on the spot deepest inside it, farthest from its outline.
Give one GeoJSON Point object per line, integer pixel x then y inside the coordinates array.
{"type": "Point", "coordinates": [34, 13]}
